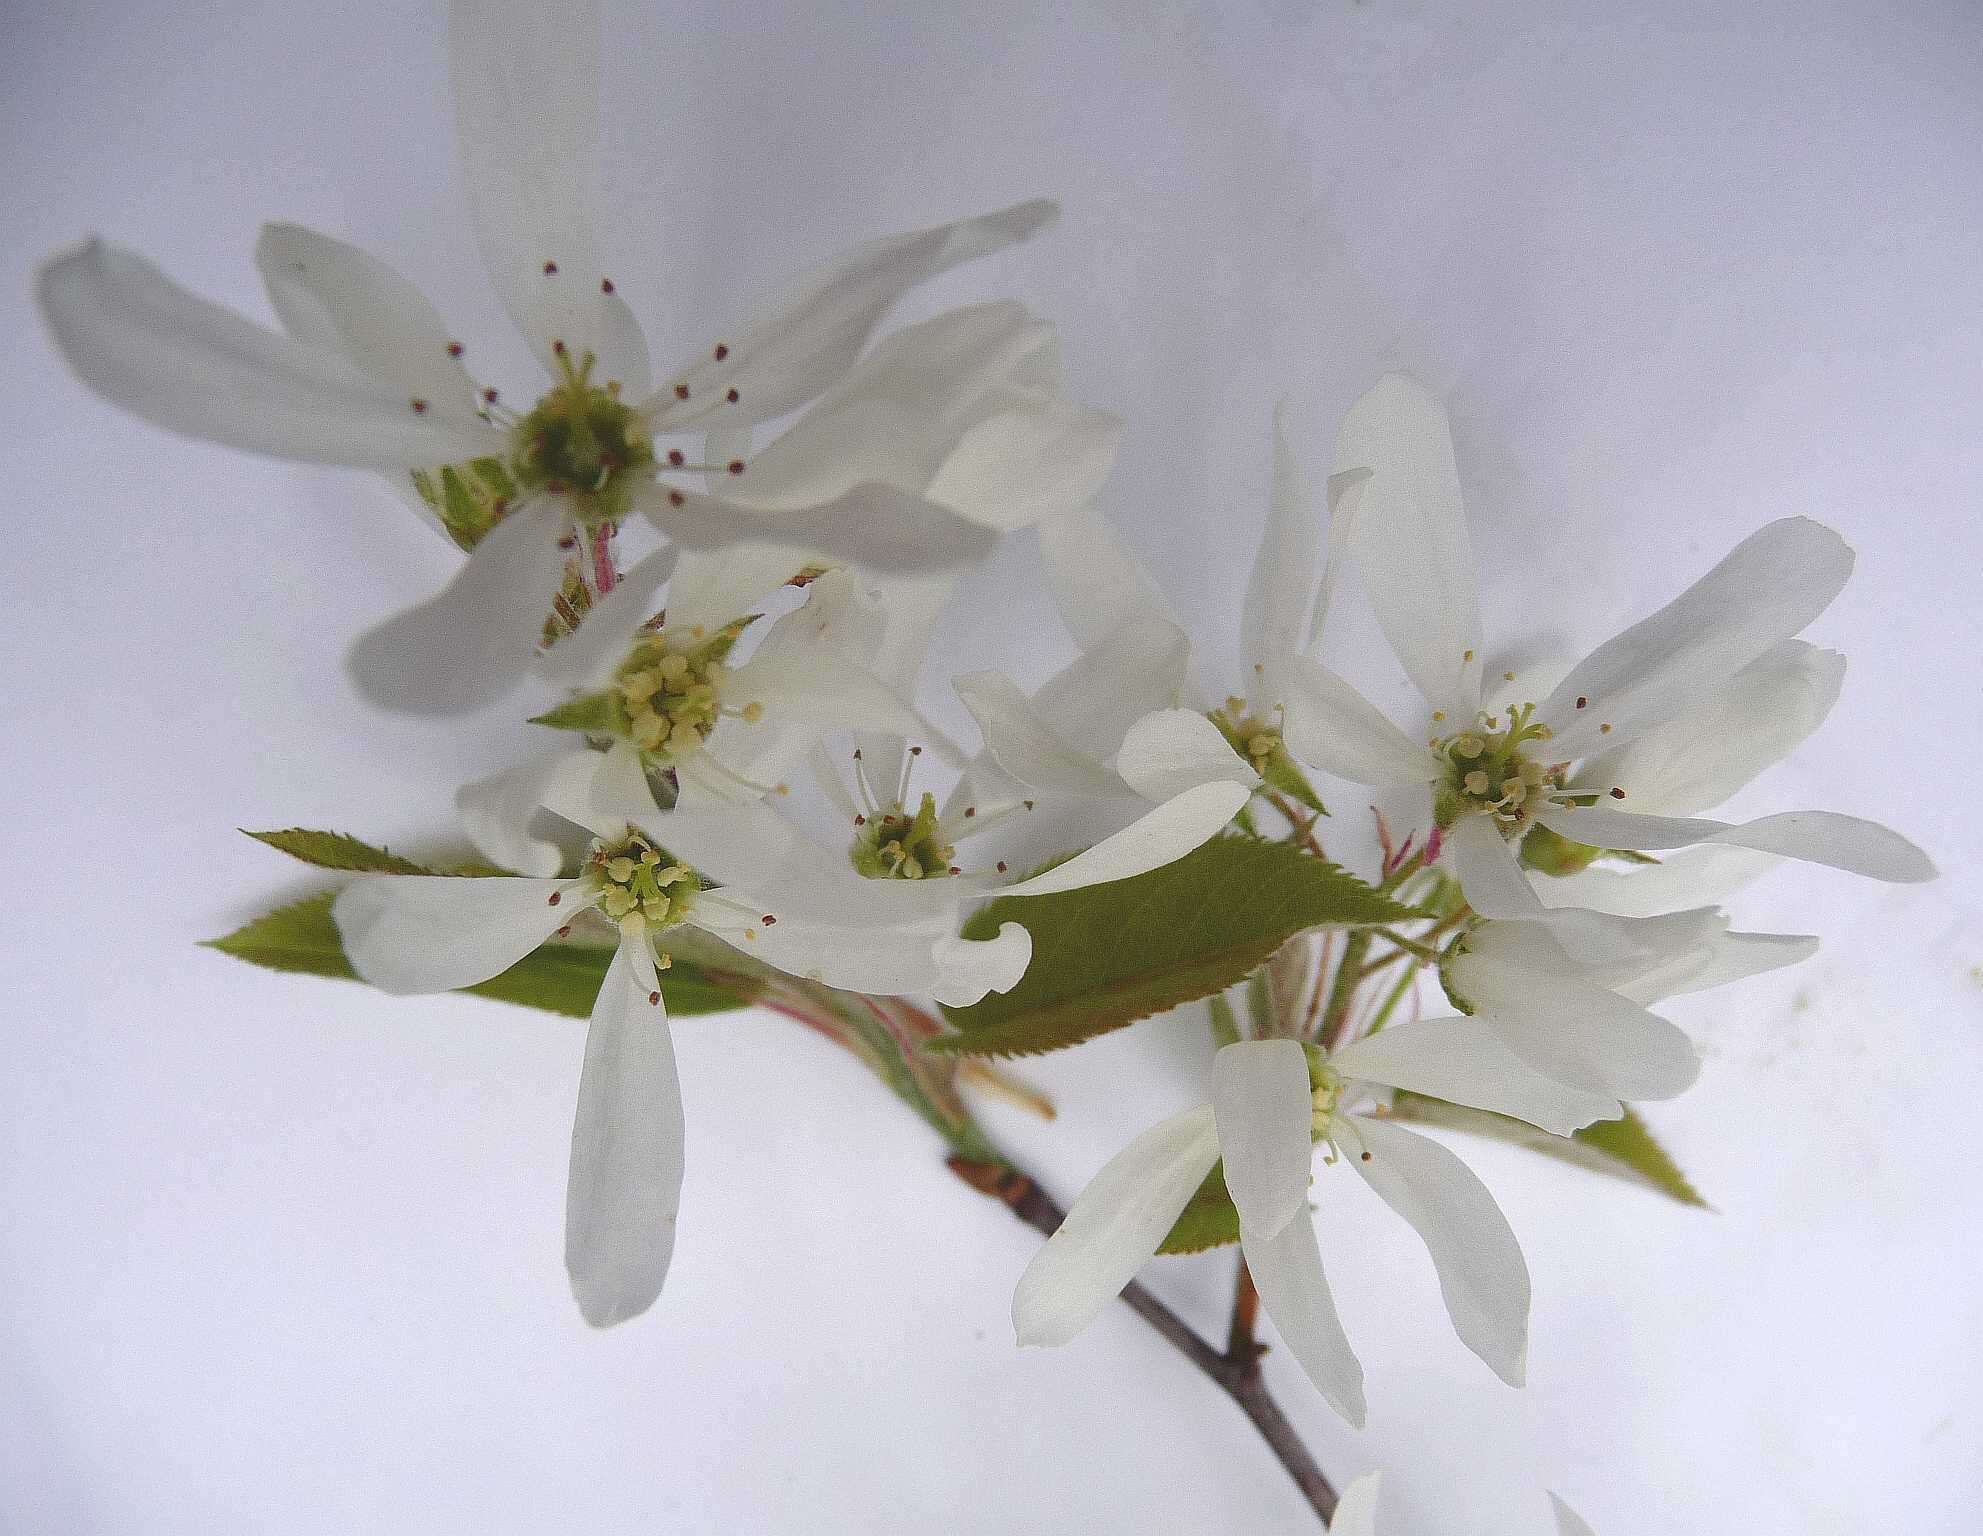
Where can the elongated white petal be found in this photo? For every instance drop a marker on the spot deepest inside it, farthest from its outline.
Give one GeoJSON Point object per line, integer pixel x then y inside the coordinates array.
{"type": "Point", "coordinates": [1261, 1101]}
{"type": "Point", "coordinates": [1410, 540]}
{"type": "Point", "coordinates": [1287, 1271]}
{"type": "Point", "coordinates": [1113, 1228]}
{"type": "Point", "coordinates": [1496, 887]}
{"type": "Point", "coordinates": [625, 1183]}
{"type": "Point", "coordinates": [1726, 958]}
{"type": "Point", "coordinates": [1333, 727]}
{"type": "Point", "coordinates": [433, 933]}
{"type": "Point", "coordinates": [1274, 618]}
{"type": "Point", "coordinates": [1706, 753]}
{"type": "Point", "coordinates": [1643, 943]}
{"type": "Point", "coordinates": [1768, 588]}
{"type": "Point", "coordinates": [1023, 745]}
{"type": "Point", "coordinates": [1097, 584]}
{"type": "Point", "coordinates": [334, 295]}
{"type": "Point", "coordinates": [585, 658]}
{"type": "Point", "coordinates": [1136, 668]}
{"type": "Point", "coordinates": [497, 812]}
{"type": "Point", "coordinates": [474, 640]}
{"type": "Point", "coordinates": [1482, 1273]}
{"type": "Point", "coordinates": [1028, 464]}
{"type": "Point", "coordinates": [1817, 837]}
{"type": "Point", "coordinates": [1170, 750]}
{"type": "Point", "coordinates": [824, 692]}
{"type": "Point", "coordinates": [1356, 1510]}
{"type": "Point", "coordinates": [1156, 838]}
{"type": "Point", "coordinates": [1466, 1062]}
{"type": "Point", "coordinates": [1568, 1521]}
{"type": "Point", "coordinates": [969, 968]}
{"type": "Point", "coordinates": [786, 359]}
{"type": "Point", "coordinates": [145, 343]}
{"type": "Point", "coordinates": [526, 104]}
{"type": "Point", "coordinates": [603, 792]}
{"type": "Point", "coordinates": [1695, 877]}
{"type": "Point", "coordinates": [1577, 1032]}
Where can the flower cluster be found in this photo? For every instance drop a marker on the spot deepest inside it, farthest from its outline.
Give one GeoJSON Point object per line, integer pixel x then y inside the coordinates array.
{"type": "Point", "coordinates": [718, 582]}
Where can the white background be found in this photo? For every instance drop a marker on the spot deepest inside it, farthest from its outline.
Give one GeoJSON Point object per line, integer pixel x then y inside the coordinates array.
{"type": "Point", "coordinates": [279, 1255]}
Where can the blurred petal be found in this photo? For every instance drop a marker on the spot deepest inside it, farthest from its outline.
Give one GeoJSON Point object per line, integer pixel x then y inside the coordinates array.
{"type": "Point", "coordinates": [1768, 588]}
{"type": "Point", "coordinates": [1568, 1521]}
{"type": "Point", "coordinates": [433, 933]}
{"type": "Point", "coordinates": [586, 658]}
{"type": "Point", "coordinates": [1113, 1228]}
{"type": "Point", "coordinates": [1728, 958]}
{"type": "Point", "coordinates": [1410, 539]}
{"type": "Point", "coordinates": [1333, 727]}
{"type": "Point", "coordinates": [473, 641]}
{"type": "Point", "coordinates": [1817, 837]}
{"type": "Point", "coordinates": [1287, 1271]}
{"type": "Point", "coordinates": [1156, 838]}
{"type": "Point", "coordinates": [1028, 464]}
{"type": "Point", "coordinates": [144, 343]}
{"type": "Point", "coordinates": [1136, 668]}
{"type": "Point", "coordinates": [1097, 584]}
{"type": "Point", "coordinates": [802, 348]}
{"type": "Point", "coordinates": [1261, 1101]}
{"type": "Point", "coordinates": [1021, 743]}
{"type": "Point", "coordinates": [1356, 1510]}
{"type": "Point", "coordinates": [1696, 877]}
{"type": "Point", "coordinates": [1482, 1273]}
{"type": "Point", "coordinates": [625, 1183]}
{"type": "Point", "coordinates": [497, 812]}
{"type": "Point", "coordinates": [1274, 619]}
{"type": "Point", "coordinates": [1464, 1062]}
{"type": "Point", "coordinates": [1706, 753]}
{"type": "Point", "coordinates": [823, 692]}
{"type": "Point", "coordinates": [1170, 750]}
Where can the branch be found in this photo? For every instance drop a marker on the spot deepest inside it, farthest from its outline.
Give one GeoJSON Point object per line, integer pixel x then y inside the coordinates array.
{"type": "Point", "coordinates": [1236, 1372]}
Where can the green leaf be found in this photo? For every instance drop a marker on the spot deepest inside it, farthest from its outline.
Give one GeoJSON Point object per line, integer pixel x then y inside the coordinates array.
{"type": "Point", "coordinates": [558, 978]}
{"type": "Point", "coordinates": [1210, 1219]}
{"type": "Point", "coordinates": [334, 850]}
{"type": "Point", "coordinates": [1622, 1148]}
{"type": "Point", "coordinates": [1107, 955]}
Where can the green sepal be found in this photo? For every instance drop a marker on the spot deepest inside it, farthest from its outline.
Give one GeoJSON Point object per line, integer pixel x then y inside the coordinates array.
{"type": "Point", "coordinates": [1209, 1218]}
{"type": "Point", "coordinates": [1107, 955]}
{"type": "Point", "coordinates": [468, 498]}
{"type": "Point", "coordinates": [597, 714]}
{"type": "Point", "coordinates": [558, 978]}
{"type": "Point", "coordinates": [1280, 772]}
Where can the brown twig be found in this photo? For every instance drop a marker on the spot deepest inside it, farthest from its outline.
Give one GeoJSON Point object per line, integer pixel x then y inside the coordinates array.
{"type": "Point", "coordinates": [1237, 1371]}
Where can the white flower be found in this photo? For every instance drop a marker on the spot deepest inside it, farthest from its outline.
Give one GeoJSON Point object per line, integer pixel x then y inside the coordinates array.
{"type": "Point", "coordinates": [1272, 1100]}
{"type": "Point", "coordinates": [907, 459]}
{"type": "Point", "coordinates": [1356, 1512]}
{"type": "Point", "coordinates": [431, 933]}
{"type": "Point", "coordinates": [1705, 692]}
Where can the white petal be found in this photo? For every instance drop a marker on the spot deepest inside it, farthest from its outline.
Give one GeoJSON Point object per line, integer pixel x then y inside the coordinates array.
{"type": "Point", "coordinates": [1568, 1521]}
{"type": "Point", "coordinates": [1356, 1510]}
{"type": "Point", "coordinates": [969, 968]}
{"type": "Point", "coordinates": [822, 692]}
{"type": "Point", "coordinates": [586, 658]}
{"type": "Point", "coordinates": [1482, 1273]}
{"type": "Point", "coordinates": [1696, 877]}
{"type": "Point", "coordinates": [330, 294]}
{"type": "Point", "coordinates": [1287, 1271]}
{"type": "Point", "coordinates": [1156, 838]}
{"type": "Point", "coordinates": [1579, 1033]}
{"type": "Point", "coordinates": [186, 365]}
{"type": "Point", "coordinates": [1333, 727]}
{"type": "Point", "coordinates": [1466, 1062]}
{"type": "Point", "coordinates": [1706, 753]}
{"type": "Point", "coordinates": [1728, 958]}
{"type": "Point", "coordinates": [1274, 618]}
{"type": "Point", "coordinates": [526, 102]}
{"type": "Point", "coordinates": [1113, 1228]}
{"type": "Point", "coordinates": [625, 1184]}
{"type": "Point", "coordinates": [474, 640]}
{"type": "Point", "coordinates": [1261, 1101]}
{"type": "Point", "coordinates": [785, 360]}
{"type": "Point", "coordinates": [497, 812]}
{"type": "Point", "coordinates": [1023, 745]}
{"type": "Point", "coordinates": [1170, 750]}
{"type": "Point", "coordinates": [1817, 837]}
{"type": "Point", "coordinates": [433, 933]}
{"type": "Point", "coordinates": [602, 792]}
{"type": "Point", "coordinates": [712, 587]}
{"type": "Point", "coordinates": [1097, 584]}
{"type": "Point", "coordinates": [1134, 669]}
{"type": "Point", "coordinates": [1028, 464]}
{"type": "Point", "coordinates": [1410, 540]}
{"type": "Point", "coordinates": [1496, 887]}
{"type": "Point", "coordinates": [1768, 588]}
{"type": "Point", "coordinates": [903, 960]}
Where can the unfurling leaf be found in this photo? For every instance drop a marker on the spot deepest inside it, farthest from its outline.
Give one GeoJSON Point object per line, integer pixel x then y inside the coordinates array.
{"type": "Point", "coordinates": [1623, 1148]}
{"type": "Point", "coordinates": [558, 978]}
{"type": "Point", "coordinates": [335, 850]}
{"type": "Point", "coordinates": [1107, 955]}
{"type": "Point", "coordinates": [1209, 1219]}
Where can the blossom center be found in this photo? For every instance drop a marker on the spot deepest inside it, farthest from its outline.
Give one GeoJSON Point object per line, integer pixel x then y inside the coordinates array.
{"type": "Point", "coordinates": [583, 443]}
{"type": "Point", "coordinates": [640, 888]}
{"type": "Point", "coordinates": [1325, 1086]}
{"type": "Point", "coordinates": [1489, 769]}
{"type": "Point", "coordinates": [898, 846]}
{"type": "Point", "coordinates": [670, 692]}
{"type": "Point", "coordinates": [1252, 736]}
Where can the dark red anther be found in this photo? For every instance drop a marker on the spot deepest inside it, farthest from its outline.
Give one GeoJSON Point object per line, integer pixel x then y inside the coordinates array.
{"type": "Point", "coordinates": [550, 269]}
{"type": "Point", "coordinates": [605, 285]}
{"type": "Point", "coordinates": [488, 397]}
{"type": "Point", "coordinates": [1617, 793]}
{"type": "Point", "coordinates": [558, 347]}
{"type": "Point", "coordinates": [654, 1001]}
{"type": "Point", "coordinates": [419, 407]}
{"type": "Point", "coordinates": [970, 811]}
{"type": "Point", "coordinates": [1001, 866]}
{"type": "Point", "coordinates": [735, 466]}
{"type": "Point", "coordinates": [1365, 1156]}
{"type": "Point", "coordinates": [767, 919]}
{"type": "Point", "coordinates": [1582, 702]}
{"type": "Point", "coordinates": [455, 349]}
{"type": "Point", "coordinates": [675, 458]}
{"type": "Point", "coordinates": [860, 821]}
{"type": "Point", "coordinates": [676, 498]}
{"type": "Point", "coordinates": [555, 898]}
{"type": "Point", "coordinates": [731, 396]}
{"type": "Point", "coordinates": [722, 351]}
{"type": "Point", "coordinates": [681, 391]}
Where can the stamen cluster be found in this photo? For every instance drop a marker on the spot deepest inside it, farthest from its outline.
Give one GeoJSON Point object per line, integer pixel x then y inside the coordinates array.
{"type": "Point", "coordinates": [898, 846]}
{"type": "Point", "coordinates": [642, 890]}
{"type": "Point", "coordinates": [671, 694]}
{"type": "Point", "coordinates": [1488, 771]}
{"type": "Point", "coordinates": [583, 443]}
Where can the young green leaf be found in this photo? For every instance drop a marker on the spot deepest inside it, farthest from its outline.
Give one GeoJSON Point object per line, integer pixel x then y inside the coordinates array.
{"type": "Point", "coordinates": [335, 850]}
{"type": "Point", "coordinates": [558, 978]}
{"type": "Point", "coordinates": [1210, 1219]}
{"type": "Point", "coordinates": [1622, 1148]}
{"type": "Point", "coordinates": [1107, 955]}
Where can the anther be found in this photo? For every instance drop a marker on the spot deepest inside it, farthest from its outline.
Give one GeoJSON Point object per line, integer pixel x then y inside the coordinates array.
{"type": "Point", "coordinates": [1027, 803]}
{"type": "Point", "coordinates": [1507, 677]}
{"type": "Point", "coordinates": [455, 349]}
{"type": "Point", "coordinates": [605, 285]}
{"type": "Point", "coordinates": [676, 458]}
{"type": "Point", "coordinates": [970, 811]}
{"type": "Point", "coordinates": [731, 396]}
{"type": "Point", "coordinates": [735, 466]}
{"type": "Point", "coordinates": [722, 351]}
{"type": "Point", "coordinates": [419, 407]}
{"type": "Point", "coordinates": [554, 898]}
{"type": "Point", "coordinates": [550, 269]}
{"type": "Point", "coordinates": [1617, 793]}
{"type": "Point", "coordinates": [653, 999]}
{"type": "Point", "coordinates": [676, 498]}
{"type": "Point", "coordinates": [681, 391]}
{"type": "Point", "coordinates": [1605, 729]}
{"type": "Point", "coordinates": [558, 347]}
{"type": "Point", "coordinates": [1001, 866]}
{"type": "Point", "coordinates": [1468, 656]}
{"type": "Point", "coordinates": [1582, 702]}
{"type": "Point", "coordinates": [767, 919]}
{"type": "Point", "coordinates": [1365, 1157]}
{"type": "Point", "coordinates": [488, 397]}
